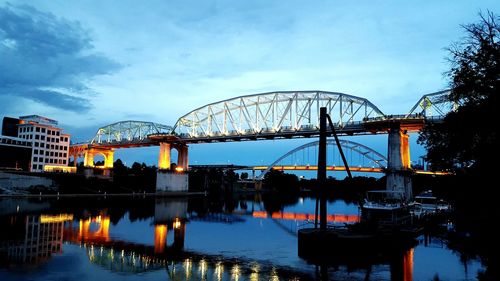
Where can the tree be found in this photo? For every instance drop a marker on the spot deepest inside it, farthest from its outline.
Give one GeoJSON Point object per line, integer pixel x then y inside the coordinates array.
{"type": "Point", "coordinates": [467, 137]}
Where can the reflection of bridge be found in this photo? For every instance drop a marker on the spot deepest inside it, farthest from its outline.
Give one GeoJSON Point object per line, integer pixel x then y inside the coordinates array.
{"type": "Point", "coordinates": [275, 115]}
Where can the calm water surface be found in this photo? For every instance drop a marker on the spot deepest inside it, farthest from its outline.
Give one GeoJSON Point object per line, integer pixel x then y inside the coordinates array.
{"type": "Point", "coordinates": [194, 239]}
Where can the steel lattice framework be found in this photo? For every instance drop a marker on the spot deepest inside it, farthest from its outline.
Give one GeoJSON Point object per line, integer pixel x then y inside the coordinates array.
{"type": "Point", "coordinates": [273, 113]}
{"type": "Point", "coordinates": [371, 155]}
{"type": "Point", "coordinates": [128, 132]}
{"type": "Point", "coordinates": [434, 105]}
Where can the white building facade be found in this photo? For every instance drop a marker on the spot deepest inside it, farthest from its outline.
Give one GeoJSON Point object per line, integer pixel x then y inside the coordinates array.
{"type": "Point", "coordinates": [50, 145]}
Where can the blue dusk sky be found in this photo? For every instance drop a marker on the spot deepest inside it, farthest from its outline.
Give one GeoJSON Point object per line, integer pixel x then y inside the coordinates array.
{"type": "Point", "coordinates": [92, 63]}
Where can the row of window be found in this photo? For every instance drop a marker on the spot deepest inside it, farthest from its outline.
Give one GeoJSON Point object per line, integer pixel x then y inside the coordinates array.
{"type": "Point", "coordinates": [51, 146]}
{"type": "Point", "coordinates": [49, 160]}
{"type": "Point", "coordinates": [16, 142]}
{"type": "Point", "coordinates": [51, 153]}
{"type": "Point", "coordinates": [42, 137]}
{"type": "Point", "coordinates": [38, 129]}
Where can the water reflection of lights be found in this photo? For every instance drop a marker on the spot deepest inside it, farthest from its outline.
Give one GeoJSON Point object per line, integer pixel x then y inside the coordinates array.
{"type": "Point", "coordinates": [335, 218]}
{"type": "Point", "coordinates": [235, 272]}
{"type": "Point", "coordinates": [219, 270]}
{"type": "Point", "coordinates": [177, 223]}
{"type": "Point", "coordinates": [254, 276]}
{"type": "Point", "coordinates": [274, 275]}
{"type": "Point", "coordinates": [203, 268]}
{"type": "Point", "coordinates": [187, 267]}
{"type": "Point", "coordinates": [192, 268]}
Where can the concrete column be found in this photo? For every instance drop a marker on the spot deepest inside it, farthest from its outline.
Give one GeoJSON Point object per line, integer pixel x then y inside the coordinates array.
{"type": "Point", "coordinates": [185, 158]}
{"type": "Point", "coordinates": [398, 166]}
{"type": "Point", "coordinates": [182, 157]}
{"type": "Point", "coordinates": [88, 160]}
{"type": "Point", "coordinates": [109, 159]}
{"type": "Point", "coordinates": [164, 157]}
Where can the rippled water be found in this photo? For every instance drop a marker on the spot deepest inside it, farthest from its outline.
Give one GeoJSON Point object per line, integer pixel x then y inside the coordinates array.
{"type": "Point", "coordinates": [253, 238]}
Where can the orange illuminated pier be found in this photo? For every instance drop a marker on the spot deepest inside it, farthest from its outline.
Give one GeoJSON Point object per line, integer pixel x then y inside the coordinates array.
{"type": "Point", "coordinates": [338, 218]}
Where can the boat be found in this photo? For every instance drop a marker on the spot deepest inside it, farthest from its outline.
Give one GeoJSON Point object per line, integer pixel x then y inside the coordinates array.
{"type": "Point", "coordinates": [386, 207]}
{"type": "Point", "coordinates": [427, 204]}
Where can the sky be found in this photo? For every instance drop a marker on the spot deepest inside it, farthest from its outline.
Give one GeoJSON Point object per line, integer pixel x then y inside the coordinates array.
{"type": "Point", "coordinates": [92, 63]}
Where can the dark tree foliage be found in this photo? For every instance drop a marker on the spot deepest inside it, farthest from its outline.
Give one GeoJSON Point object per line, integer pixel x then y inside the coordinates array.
{"type": "Point", "coordinates": [467, 142]}
{"type": "Point", "coordinates": [281, 182]}
{"type": "Point", "coordinates": [467, 138]}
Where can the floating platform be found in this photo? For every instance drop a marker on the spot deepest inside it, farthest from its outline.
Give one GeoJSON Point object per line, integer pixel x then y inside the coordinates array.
{"type": "Point", "coordinates": [316, 244]}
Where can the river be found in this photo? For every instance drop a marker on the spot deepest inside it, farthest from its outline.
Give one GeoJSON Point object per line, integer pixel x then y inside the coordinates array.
{"type": "Point", "coordinates": [252, 237]}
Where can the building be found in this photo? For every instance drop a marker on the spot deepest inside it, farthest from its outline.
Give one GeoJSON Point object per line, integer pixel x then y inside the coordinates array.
{"type": "Point", "coordinates": [49, 145]}
{"type": "Point", "coordinates": [15, 153]}
{"type": "Point", "coordinates": [33, 238]}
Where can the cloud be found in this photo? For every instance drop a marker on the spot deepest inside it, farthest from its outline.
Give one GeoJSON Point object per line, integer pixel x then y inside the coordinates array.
{"type": "Point", "coordinates": [47, 59]}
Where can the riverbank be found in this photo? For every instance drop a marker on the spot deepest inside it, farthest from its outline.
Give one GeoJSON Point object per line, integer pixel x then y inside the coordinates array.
{"type": "Point", "coordinates": [99, 195]}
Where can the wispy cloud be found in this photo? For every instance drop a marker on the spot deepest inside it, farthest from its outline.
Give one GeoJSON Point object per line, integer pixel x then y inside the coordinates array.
{"type": "Point", "coordinates": [47, 59]}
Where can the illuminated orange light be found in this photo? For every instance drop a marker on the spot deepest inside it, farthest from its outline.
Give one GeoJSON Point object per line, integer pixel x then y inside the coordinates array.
{"type": "Point", "coordinates": [314, 168]}
{"type": "Point", "coordinates": [160, 238]}
{"type": "Point", "coordinates": [179, 169]}
{"type": "Point", "coordinates": [299, 216]}
{"type": "Point", "coordinates": [259, 214]}
{"type": "Point", "coordinates": [56, 218]}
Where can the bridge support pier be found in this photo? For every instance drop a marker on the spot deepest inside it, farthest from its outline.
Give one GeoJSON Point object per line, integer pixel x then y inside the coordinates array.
{"type": "Point", "coordinates": [164, 156]}
{"type": "Point", "coordinates": [398, 166]}
{"type": "Point", "coordinates": [89, 165]}
{"type": "Point", "coordinates": [167, 180]}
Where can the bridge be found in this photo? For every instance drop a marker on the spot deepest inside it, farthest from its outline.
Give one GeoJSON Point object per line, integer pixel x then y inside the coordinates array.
{"type": "Point", "coordinates": [265, 116]}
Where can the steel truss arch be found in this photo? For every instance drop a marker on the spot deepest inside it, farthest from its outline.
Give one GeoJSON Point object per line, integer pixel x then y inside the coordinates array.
{"type": "Point", "coordinates": [434, 105]}
{"type": "Point", "coordinates": [372, 155]}
{"type": "Point", "coordinates": [128, 131]}
{"type": "Point", "coordinates": [273, 112]}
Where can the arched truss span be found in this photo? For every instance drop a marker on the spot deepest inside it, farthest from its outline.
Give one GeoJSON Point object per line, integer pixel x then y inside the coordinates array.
{"type": "Point", "coordinates": [434, 105]}
{"type": "Point", "coordinates": [371, 155]}
{"type": "Point", "coordinates": [128, 131]}
{"type": "Point", "coordinates": [273, 112]}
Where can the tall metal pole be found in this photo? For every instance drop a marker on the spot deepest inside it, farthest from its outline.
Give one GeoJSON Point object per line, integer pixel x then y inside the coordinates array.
{"type": "Point", "coordinates": [322, 167]}
{"type": "Point", "coordinates": [339, 147]}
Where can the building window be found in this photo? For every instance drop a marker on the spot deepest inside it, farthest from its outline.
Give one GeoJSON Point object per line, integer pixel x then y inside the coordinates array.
{"type": "Point", "coordinates": [41, 159]}
{"type": "Point", "coordinates": [40, 167]}
{"type": "Point", "coordinates": [46, 160]}
{"type": "Point", "coordinates": [57, 147]}
{"type": "Point", "coordinates": [51, 146]}
{"type": "Point", "coordinates": [38, 129]}
{"type": "Point", "coordinates": [34, 167]}
{"type": "Point", "coordinates": [66, 139]}
{"type": "Point", "coordinates": [64, 162]}
{"type": "Point", "coordinates": [46, 153]}
{"type": "Point", "coordinates": [42, 144]}
{"type": "Point", "coordinates": [36, 144]}
{"type": "Point", "coordinates": [43, 130]}
{"type": "Point", "coordinates": [58, 133]}
{"type": "Point", "coordinates": [57, 140]}
{"type": "Point", "coordinates": [35, 151]}
{"type": "Point", "coordinates": [42, 138]}
{"type": "Point", "coordinates": [52, 153]}
{"type": "Point", "coordinates": [37, 137]}
{"type": "Point", "coordinates": [64, 155]}
{"type": "Point", "coordinates": [35, 159]}
{"type": "Point", "coordinates": [48, 132]}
